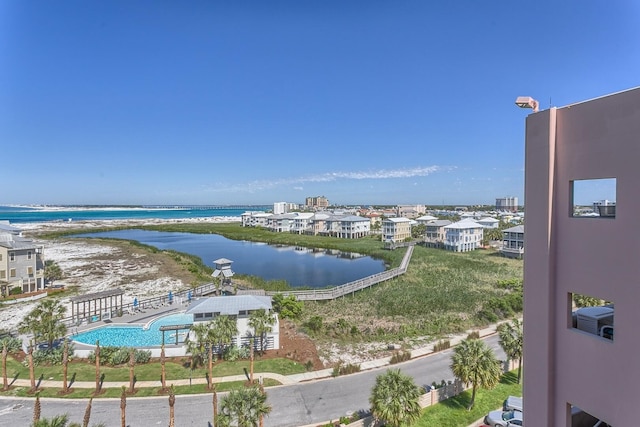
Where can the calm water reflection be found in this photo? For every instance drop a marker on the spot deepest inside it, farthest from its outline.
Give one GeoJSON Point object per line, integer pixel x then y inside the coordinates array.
{"type": "Point", "coordinates": [298, 266]}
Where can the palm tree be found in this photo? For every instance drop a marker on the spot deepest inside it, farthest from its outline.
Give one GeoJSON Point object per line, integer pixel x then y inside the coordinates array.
{"type": "Point", "coordinates": [474, 362]}
{"type": "Point", "coordinates": [210, 364]}
{"type": "Point", "coordinates": [32, 374]}
{"type": "Point", "coordinates": [223, 330]}
{"type": "Point", "coordinates": [97, 354]}
{"type": "Point", "coordinates": [57, 421]}
{"type": "Point", "coordinates": [172, 401]}
{"type": "Point", "coordinates": [493, 234]}
{"type": "Point", "coordinates": [394, 399]}
{"type": "Point", "coordinates": [511, 340]}
{"type": "Point", "coordinates": [251, 344]}
{"type": "Point", "coordinates": [261, 321]}
{"type": "Point", "coordinates": [37, 409]}
{"type": "Point", "coordinates": [261, 423]}
{"type": "Point", "coordinates": [87, 414]}
{"type": "Point", "coordinates": [65, 365]}
{"type": "Point", "coordinates": [215, 406]}
{"type": "Point", "coordinates": [132, 364]}
{"type": "Point", "coordinates": [197, 348]}
{"type": "Point", "coordinates": [44, 322]}
{"type": "Point", "coordinates": [243, 407]}
{"type": "Point", "coordinates": [163, 375]}
{"type": "Point", "coordinates": [52, 271]}
{"type": "Point", "coordinates": [5, 353]}
{"type": "Point", "coordinates": [123, 407]}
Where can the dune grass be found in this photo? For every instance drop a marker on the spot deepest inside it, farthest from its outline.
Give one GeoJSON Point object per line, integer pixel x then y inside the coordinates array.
{"type": "Point", "coordinates": [441, 293]}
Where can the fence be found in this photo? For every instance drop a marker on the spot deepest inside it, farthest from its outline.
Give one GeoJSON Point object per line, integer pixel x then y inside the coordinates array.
{"type": "Point", "coordinates": [435, 395]}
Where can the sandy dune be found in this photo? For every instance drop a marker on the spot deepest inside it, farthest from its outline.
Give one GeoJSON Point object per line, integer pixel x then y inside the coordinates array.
{"type": "Point", "coordinates": [95, 267]}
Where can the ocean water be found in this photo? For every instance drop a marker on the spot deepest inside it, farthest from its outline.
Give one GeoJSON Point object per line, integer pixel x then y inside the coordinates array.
{"type": "Point", "coordinates": [25, 214]}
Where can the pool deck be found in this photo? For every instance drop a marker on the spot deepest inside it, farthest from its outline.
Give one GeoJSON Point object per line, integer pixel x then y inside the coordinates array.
{"type": "Point", "coordinates": [139, 317]}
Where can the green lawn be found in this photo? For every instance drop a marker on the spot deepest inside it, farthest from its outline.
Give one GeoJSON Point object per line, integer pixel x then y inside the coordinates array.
{"type": "Point", "coordinates": [151, 371]}
{"type": "Point", "coordinates": [84, 393]}
{"type": "Point", "coordinates": [453, 412]}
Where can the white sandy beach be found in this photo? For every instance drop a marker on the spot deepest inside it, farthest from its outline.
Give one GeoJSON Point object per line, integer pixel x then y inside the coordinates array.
{"type": "Point", "coordinates": [96, 267]}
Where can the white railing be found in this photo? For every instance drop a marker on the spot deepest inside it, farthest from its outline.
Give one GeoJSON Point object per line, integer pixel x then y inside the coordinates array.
{"type": "Point", "coordinates": [351, 287]}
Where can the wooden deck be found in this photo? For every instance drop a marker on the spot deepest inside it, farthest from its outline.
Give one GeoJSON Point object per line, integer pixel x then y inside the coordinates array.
{"type": "Point", "coordinates": [182, 297]}
{"type": "Point", "coordinates": [351, 287]}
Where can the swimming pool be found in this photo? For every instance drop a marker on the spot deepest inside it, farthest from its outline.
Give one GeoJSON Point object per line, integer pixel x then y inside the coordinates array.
{"type": "Point", "coordinates": [136, 336]}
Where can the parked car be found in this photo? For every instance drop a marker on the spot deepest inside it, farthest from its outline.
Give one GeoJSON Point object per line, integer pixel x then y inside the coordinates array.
{"type": "Point", "coordinates": [512, 403]}
{"type": "Point", "coordinates": [504, 419]}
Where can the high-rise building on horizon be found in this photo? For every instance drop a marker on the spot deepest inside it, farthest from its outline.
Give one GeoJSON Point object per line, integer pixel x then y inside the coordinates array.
{"type": "Point", "coordinates": [317, 202]}
{"type": "Point", "coordinates": [280, 207]}
{"type": "Point", "coordinates": [507, 204]}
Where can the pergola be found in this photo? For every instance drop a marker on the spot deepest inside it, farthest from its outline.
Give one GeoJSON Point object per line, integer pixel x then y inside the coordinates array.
{"type": "Point", "coordinates": [93, 306]}
{"type": "Point", "coordinates": [173, 328]}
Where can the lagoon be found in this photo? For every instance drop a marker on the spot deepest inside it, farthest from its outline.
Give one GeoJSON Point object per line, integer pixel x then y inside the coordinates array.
{"type": "Point", "coordinates": [298, 266]}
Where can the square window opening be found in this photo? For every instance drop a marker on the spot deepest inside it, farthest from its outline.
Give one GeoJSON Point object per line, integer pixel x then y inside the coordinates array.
{"type": "Point", "coordinates": [593, 198]}
{"type": "Point", "coordinates": [591, 315]}
{"type": "Point", "coordinates": [582, 418]}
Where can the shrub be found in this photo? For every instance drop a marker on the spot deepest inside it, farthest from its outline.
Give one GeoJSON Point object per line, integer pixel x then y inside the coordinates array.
{"type": "Point", "coordinates": [473, 335]}
{"type": "Point", "coordinates": [51, 356]}
{"type": "Point", "coordinates": [400, 356]}
{"type": "Point", "coordinates": [315, 323]}
{"type": "Point", "coordinates": [13, 344]}
{"type": "Point", "coordinates": [442, 345]}
{"type": "Point", "coordinates": [341, 369]}
{"type": "Point", "coordinates": [142, 356]}
{"type": "Point", "coordinates": [231, 354]}
{"type": "Point", "coordinates": [119, 357]}
{"type": "Point", "coordinates": [16, 290]}
{"type": "Point", "coordinates": [287, 306]}
{"type": "Point", "coordinates": [308, 365]}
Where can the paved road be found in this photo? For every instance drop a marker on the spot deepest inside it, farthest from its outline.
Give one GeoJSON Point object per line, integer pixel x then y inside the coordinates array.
{"type": "Point", "coordinates": [293, 405]}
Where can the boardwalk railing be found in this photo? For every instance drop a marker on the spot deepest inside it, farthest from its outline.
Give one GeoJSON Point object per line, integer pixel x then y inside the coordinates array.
{"type": "Point", "coordinates": [209, 288]}
{"type": "Point", "coordinates": [351, 287]}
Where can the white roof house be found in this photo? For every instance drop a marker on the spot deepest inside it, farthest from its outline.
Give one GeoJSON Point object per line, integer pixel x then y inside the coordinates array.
{"type": "Point", "coordinates": [426, 218]}
{"type": "Point", "coordinates": [463, 236]}
{"type": "Point", "coordinates": [231, 305]}
{"type": "Point", "coordinates": [240, 307]}
{"type": "Point", "coordinates": [489, 222]}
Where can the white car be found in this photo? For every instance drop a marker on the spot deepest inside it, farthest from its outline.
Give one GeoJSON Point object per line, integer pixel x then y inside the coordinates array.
{"type": "Point", "coordinates": [503, 419]}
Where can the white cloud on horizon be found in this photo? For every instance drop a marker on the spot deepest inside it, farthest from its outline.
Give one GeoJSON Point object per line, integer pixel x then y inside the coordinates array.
{"type": "Point", "coordinates": [258, 185]}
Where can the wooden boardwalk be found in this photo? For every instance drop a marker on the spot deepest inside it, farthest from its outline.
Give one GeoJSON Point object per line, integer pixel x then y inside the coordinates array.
{"type": "Point", "coordinates": [351, 287]}
{"type": "Point", "coordinates": [183, 297]}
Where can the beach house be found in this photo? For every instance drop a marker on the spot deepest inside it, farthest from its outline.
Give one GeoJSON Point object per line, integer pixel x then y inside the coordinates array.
{"type": "Point", "coordinates": [239, 307]}
{"type": "Point", "coordinates": [513, 242]}
{"type": "Point", "coordinates": [396, 229]}
{"type": "Point", "coordinates": [21, 262]}
{"type": "Point", "coordinates": [463, 236]}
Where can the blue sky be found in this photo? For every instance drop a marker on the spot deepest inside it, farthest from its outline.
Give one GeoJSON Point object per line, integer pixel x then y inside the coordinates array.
{"type": "Point", "coordinates": [364, 102]}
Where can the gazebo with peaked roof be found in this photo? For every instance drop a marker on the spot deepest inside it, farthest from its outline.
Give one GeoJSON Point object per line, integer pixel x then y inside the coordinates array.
{"type": "Point", "coordinates": [223, 270]}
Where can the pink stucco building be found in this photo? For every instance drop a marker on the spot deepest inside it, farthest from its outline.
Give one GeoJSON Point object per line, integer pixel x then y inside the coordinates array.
{"type": "Point", "coordinates": [599, 256]}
